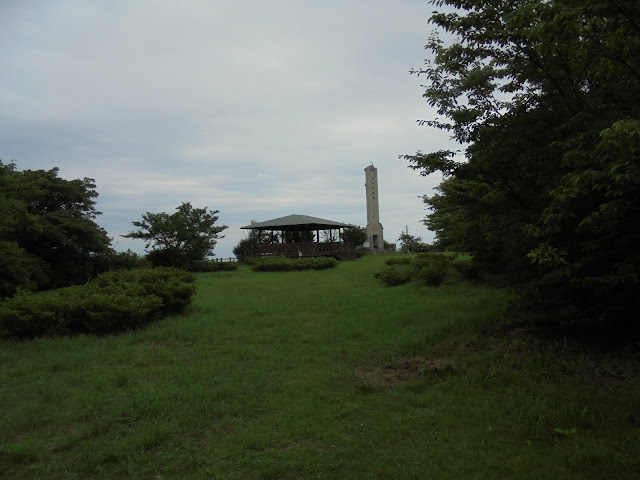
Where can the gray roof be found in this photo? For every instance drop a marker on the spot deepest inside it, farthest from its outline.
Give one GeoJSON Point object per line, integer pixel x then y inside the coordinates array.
{"type": "Point", "coordinates": [296, 222]}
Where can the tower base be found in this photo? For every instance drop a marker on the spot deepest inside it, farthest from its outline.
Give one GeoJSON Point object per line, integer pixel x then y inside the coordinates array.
{"type": "Point", "coordinates": [375, 237]}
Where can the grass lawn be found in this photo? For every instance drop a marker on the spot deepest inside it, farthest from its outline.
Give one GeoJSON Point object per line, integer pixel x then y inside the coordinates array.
{"type": "Point", "coordinates": [320, 374]}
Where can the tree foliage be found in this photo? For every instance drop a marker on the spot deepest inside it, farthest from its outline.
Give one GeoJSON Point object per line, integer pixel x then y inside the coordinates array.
{"type": "Point", "coordinates": [411, 243]}
{"type": "Point", "coordinates": [248, 246]}
{"type": "Point", "coordinates": [354, 236]}
{"type": "Point", "coordinates": [544, 99]}
{"type": "Point", "coordinates": [179, 239]}
{"type": "Point", "coordinates": [48, 234]}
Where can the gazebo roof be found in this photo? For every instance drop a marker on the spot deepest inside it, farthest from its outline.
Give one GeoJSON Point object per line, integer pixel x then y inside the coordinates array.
{"type": "Point", "coordinates": [296, 222]}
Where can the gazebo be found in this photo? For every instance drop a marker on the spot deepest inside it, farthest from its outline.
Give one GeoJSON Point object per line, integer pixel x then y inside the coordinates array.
{"type": "Point", "coordinates": [306, 248]}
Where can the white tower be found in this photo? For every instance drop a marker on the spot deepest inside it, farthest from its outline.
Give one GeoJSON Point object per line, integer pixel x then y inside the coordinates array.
{"type": "Point", "coordinates": [374, 227]}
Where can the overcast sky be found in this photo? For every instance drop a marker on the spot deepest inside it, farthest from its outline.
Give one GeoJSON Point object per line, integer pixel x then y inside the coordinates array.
{"type": "Point", "coordinates": [256, 108]}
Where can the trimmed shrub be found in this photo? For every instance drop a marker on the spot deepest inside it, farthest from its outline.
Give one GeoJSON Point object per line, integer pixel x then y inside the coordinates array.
{"type": "Point", "coordinates": [432, 268]}
{"type": "Point", "coordinates": [113, 302]}
{"type": "Point", "coordinates": [271, 264]}
{"type": "Point", "coordinates": [399, 261]}
{"type": "Point", "coordinates": [173, 286]}
{"type": "Point", "coordinates": [115, 308]}
{"type": "Point", "coordinates": [432, 275]}
{"type": "Point", "coordinates": [393, 276]}
{"type": "Point", "coordinates": [283, 264]}
{"type": "Point", "coordinates": [315, 263]}
{"type": "Point", "coordinates": [210, 266]}
{"type": "Point", "coordinates": [30, 315]}
{"type": "Point", "coordinates": [424, 259]}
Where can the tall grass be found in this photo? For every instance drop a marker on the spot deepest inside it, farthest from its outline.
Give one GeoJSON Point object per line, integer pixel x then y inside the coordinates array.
{"type": "Point", "coordinates": [317, 374]}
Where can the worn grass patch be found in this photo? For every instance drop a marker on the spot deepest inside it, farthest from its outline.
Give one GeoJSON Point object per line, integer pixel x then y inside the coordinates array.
{"type": "Point", "coordinates": [320, 374]}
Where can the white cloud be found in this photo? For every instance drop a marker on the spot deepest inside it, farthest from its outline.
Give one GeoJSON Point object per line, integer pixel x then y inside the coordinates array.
{"type": "Point", "coordinates": [257, 109]}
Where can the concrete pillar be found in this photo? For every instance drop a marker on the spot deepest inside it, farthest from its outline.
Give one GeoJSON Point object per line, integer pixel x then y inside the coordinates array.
{"type": "Point", "coordinates": [374, 227]}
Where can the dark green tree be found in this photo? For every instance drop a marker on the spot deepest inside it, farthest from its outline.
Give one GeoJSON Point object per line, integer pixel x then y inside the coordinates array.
{"type": "Point", "coordinates": [408, 242]}
{"type": "Point", "coordinates": [245, 248]}
{"type": "Point", "coordinates": [181, 238]}
{"type": "Point", "coordinates": [48, 234]}
{"type": "Point", "coordinates": [354, 236]}
{"type": "Point", "coordinates": [19, 269]}
{"type": "Point", "coordinates": [248, 247]}
{"type": "Point", "coordinates": [545, 99]}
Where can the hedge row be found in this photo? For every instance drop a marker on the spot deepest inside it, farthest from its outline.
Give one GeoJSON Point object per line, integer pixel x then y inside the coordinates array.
{"type": "Point", "coordinates": [210, 266]}
{"type": "Point", "coordinates": [430, 268]}
{"type": "Point", "coordinates": [280, 264]}
{"type": "Point", "coordinates": [113, 302]}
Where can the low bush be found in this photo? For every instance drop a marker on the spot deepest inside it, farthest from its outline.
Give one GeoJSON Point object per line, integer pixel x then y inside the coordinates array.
{"type": "Point", "coordinates": [432, 268]}
{"type": "Point", "coordinates": [271, 264]}
{"type": "Point", "coordinates": [432, 275]}
{"type": "Point", "coordinates": [315, 263]}
{"type": "Point", "coordinates": [113, 302]}
{"type": "Point", "coordinates": [210, 266]}
{"type": "Point", "coordinates": [399, 261]}
{"type": "Point", "coordinates": [100, 311]}
{"type": "Point", "coordinates": [173, 286]}
{"type": "Point", "coordinates": [393, 276]}
{"type": "Point", "coordinates": [424, 259]}
{"type": "Point", "coordinates": [30, 315]}
{"type": "Point", "coordinates": [283, 264]}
